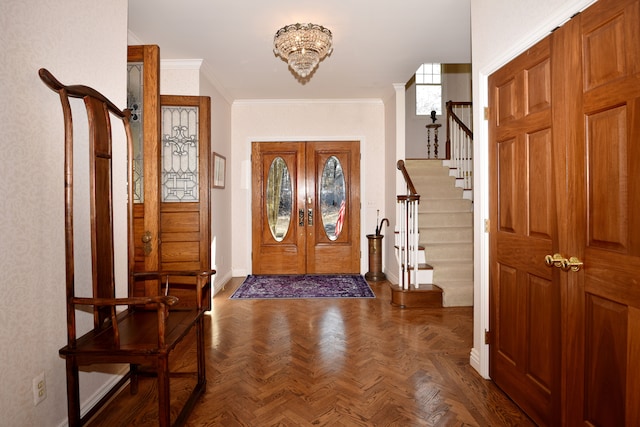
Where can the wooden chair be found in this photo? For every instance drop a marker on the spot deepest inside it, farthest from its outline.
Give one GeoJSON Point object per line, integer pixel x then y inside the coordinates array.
{"type": "Point", "coordinates": [145, 330]}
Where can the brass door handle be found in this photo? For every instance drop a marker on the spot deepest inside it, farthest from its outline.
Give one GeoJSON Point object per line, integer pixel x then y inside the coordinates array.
{"type": "Point", "coordinates": [146, 239]}
{"type": "Point", "coordinates": [573, 264]}
{"type": "Point", "coordinates": [557, 260]}
{"type": "Point", "coordinates": [554, 260]}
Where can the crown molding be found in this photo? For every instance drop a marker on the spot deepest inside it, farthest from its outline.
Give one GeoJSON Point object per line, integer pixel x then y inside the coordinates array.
{"type": "Point", "coordinates": [374, 101]}
{"type": "Point", "coordinates": [181, 64]}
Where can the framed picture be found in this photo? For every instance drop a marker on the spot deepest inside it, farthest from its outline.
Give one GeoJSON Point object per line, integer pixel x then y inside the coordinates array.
{"type": "Point", "coordinates": [218, 169]}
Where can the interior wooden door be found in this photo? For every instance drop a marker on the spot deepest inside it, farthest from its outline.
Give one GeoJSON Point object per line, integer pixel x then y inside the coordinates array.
{"type": "Point", "coordinates": [184, 183]}
{"type": "Point", "coordinates": [603, 305]}
{"type": "Point", "coordinates": [171, 174]}
{"type": "Point", "coordinates": [524, 295]}
{"type": "Point", "coordinates": [593, 215]}
{"type": "Point", "coordinates": [143, 99]}
{"type": "Point", "coordinates": [306, 207]}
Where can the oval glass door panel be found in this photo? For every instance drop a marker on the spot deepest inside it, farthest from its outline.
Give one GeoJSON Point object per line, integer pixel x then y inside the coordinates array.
{"type": "Point", "coordinates": [279, 199]}
{"type": "Point", "coordinates": [332, 197]}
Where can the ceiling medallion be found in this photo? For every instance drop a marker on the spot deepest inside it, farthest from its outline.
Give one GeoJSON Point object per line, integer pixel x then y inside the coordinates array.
{"type": "Point", "coordinates": [303, 46]}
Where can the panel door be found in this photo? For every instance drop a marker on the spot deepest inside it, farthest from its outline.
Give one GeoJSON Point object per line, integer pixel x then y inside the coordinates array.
{"type": "Point", "coordinates": [333, 192]}
{"type": "Point", "coordinates": [306, 207]}
{"type": "Point", "coordinates": [604, 172]}
{"type": "Point", "coordinates": [171, 175]}
{"type": "Point", "coordinates": [524, 295]}
{"type": "Point", "coordinates": [143, 99]}
{"type": "Point", "coordinates": [278, 208]}
{"type": "Point", "coordinates": [184, 155]}
{"type": "Point", "coordinates": [595, 170]}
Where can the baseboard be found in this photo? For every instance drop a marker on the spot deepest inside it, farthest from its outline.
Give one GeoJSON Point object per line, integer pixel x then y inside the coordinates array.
{"type": "Point", "coordinates": [474, 361]}
{"type": "Point", "coordinates": [91, 401]}
{"type": "Point", "coordinates": [392, 277]}
{"type": "Point", "coordinates": [220, 282]}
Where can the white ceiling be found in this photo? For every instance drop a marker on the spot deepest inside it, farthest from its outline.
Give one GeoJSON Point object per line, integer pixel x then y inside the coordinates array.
{"type": "Point", "coordinates": [376, 42]}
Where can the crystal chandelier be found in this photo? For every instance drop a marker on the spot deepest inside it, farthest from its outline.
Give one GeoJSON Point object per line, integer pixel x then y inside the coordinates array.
{"type": "Point", "coordinates": [303, 46]}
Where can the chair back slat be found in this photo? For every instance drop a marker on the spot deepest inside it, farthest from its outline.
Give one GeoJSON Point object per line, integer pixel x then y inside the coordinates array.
{"type": "Point", "coordinates": [99, 110]}
{"type": "Point", "coordinates": [100, 183]}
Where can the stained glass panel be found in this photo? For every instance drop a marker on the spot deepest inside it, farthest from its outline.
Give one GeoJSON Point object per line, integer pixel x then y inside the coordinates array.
{"type": "Point", "coordinates": [135, 86]}
{"type": "Point", "coordinates": [179, 154]}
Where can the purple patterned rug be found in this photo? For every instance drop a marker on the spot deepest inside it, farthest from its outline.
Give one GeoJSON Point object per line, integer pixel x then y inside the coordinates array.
{"type": "Point", "coordinates": [304, 286]}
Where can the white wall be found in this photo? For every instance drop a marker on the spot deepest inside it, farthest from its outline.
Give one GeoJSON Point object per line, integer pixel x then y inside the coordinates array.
{"type": "Point", "coordinates": [180, 77]}
{"type": "Point", "coordinates": [349, 120]}
{"type": "Point", "coordinates": [500, 30]}
{"type": "Point", "coordinates": [394, 110]}
{"type": "Point", "coordinates": [188, 77]}
{"type": "Point", "coordinates": [221, 232]}
{"type": "Point", "coordinates": [456, 86]}
{"type": "Point", "coordinates": [79, 42]}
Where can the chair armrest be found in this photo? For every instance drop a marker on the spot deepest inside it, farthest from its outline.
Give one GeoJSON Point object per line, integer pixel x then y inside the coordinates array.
{"type": "Point", "coordinates": [162, 306]}
{"type": "Point", "coordinates": [202, 279]}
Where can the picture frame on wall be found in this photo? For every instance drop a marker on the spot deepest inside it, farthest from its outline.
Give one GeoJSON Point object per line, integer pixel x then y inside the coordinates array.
{"type": "Point", "coordinates": [218, 170]}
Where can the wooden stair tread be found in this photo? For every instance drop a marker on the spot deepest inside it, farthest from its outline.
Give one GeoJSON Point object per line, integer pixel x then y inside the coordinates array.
{"type": "Point", "coordinates": [426, 296]}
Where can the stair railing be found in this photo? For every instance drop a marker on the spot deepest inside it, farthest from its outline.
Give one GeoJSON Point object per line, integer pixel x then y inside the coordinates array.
{"type": "Point", "coordinates": [459, 143]}
{"type": "Point", "coordinates": [407, 237]}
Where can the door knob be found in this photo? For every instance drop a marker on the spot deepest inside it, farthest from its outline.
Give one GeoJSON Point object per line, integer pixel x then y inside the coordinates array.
{"type": "Point", "coordinates": [573, 264]}
{"type": "Point", "coordinates": [146, 239]}
{"type": "Point", "coordinates": [557, 260]}
{"type": "Point", "coordinates": [554, 260]}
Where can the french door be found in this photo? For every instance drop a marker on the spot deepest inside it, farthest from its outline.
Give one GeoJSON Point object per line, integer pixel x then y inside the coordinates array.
{"type": "Point", "coordinates": [603, 176]}
{"type": "Point", "coordinates": [524, 298]}
{"type": "Point", "coordinates": [565, 236]}
{"type": "Point", "coordinates": [171, 137]}
{"type": "Point", "coordinates": [306, 207]}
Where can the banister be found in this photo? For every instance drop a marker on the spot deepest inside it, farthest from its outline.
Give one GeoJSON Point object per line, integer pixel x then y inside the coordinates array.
{"type": "Point", "coordinates": [456, 119]}
{"type": "Point", "coordinates": [407, 178]}
{"type": "Point", "coordinates": [451, 115]}
{"type": "Point", "coordinates": [407, 238]}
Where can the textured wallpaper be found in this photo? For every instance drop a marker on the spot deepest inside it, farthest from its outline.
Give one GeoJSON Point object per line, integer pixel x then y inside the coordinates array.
{"type": "Point", "coordinates": [79, 42]}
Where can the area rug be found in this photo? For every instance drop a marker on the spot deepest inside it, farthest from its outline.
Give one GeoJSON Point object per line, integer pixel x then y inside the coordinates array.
{"type": "Point", "coordinates": [303, 286]}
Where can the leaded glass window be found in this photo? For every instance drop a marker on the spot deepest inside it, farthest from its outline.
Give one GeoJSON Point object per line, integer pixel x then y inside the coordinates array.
{"type": "Point", "coordinates": [179, 154]}
{"type": "Point", "coordinates": [135, 87]}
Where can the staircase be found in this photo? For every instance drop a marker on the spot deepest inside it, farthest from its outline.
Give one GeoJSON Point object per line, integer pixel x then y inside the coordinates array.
{"type": "Point", "coordinates": [445, 219]}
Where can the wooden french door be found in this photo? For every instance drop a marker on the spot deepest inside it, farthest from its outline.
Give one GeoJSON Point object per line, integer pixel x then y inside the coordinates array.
{"type": "Point", "coordinates": [306, 207]}
{"type": "Point", "coordinates": [603, 169]}
{"type": "Point", "coordinates": [171, 174]}
{"type": "Point", "coordinates": [524, 300]}
{"type": "Point", "coordinates": [594, 244]}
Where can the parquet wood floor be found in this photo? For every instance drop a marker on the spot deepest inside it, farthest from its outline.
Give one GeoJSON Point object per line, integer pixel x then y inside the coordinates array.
{"type": "Point", "coordinates": [331, 362]}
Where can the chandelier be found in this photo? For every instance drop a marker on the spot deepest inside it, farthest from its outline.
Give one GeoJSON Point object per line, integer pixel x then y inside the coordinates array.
{"type": "Point", "coordinates": [303, 46]}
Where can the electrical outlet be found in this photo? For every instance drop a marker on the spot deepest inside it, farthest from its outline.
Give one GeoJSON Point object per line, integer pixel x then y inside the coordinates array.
{"type": "Point", "coordinates": [39, 389]}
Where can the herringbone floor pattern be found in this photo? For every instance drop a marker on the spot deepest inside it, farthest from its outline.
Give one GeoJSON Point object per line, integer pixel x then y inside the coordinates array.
{"type": "Point", "coordinates": [332, 362]}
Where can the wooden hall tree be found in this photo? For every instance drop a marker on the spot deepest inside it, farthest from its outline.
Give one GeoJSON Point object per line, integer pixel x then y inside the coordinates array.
{"type": "Point", "coordinates": [571, 329]}
{"type": "Point", "coordinates": [138, 330]}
